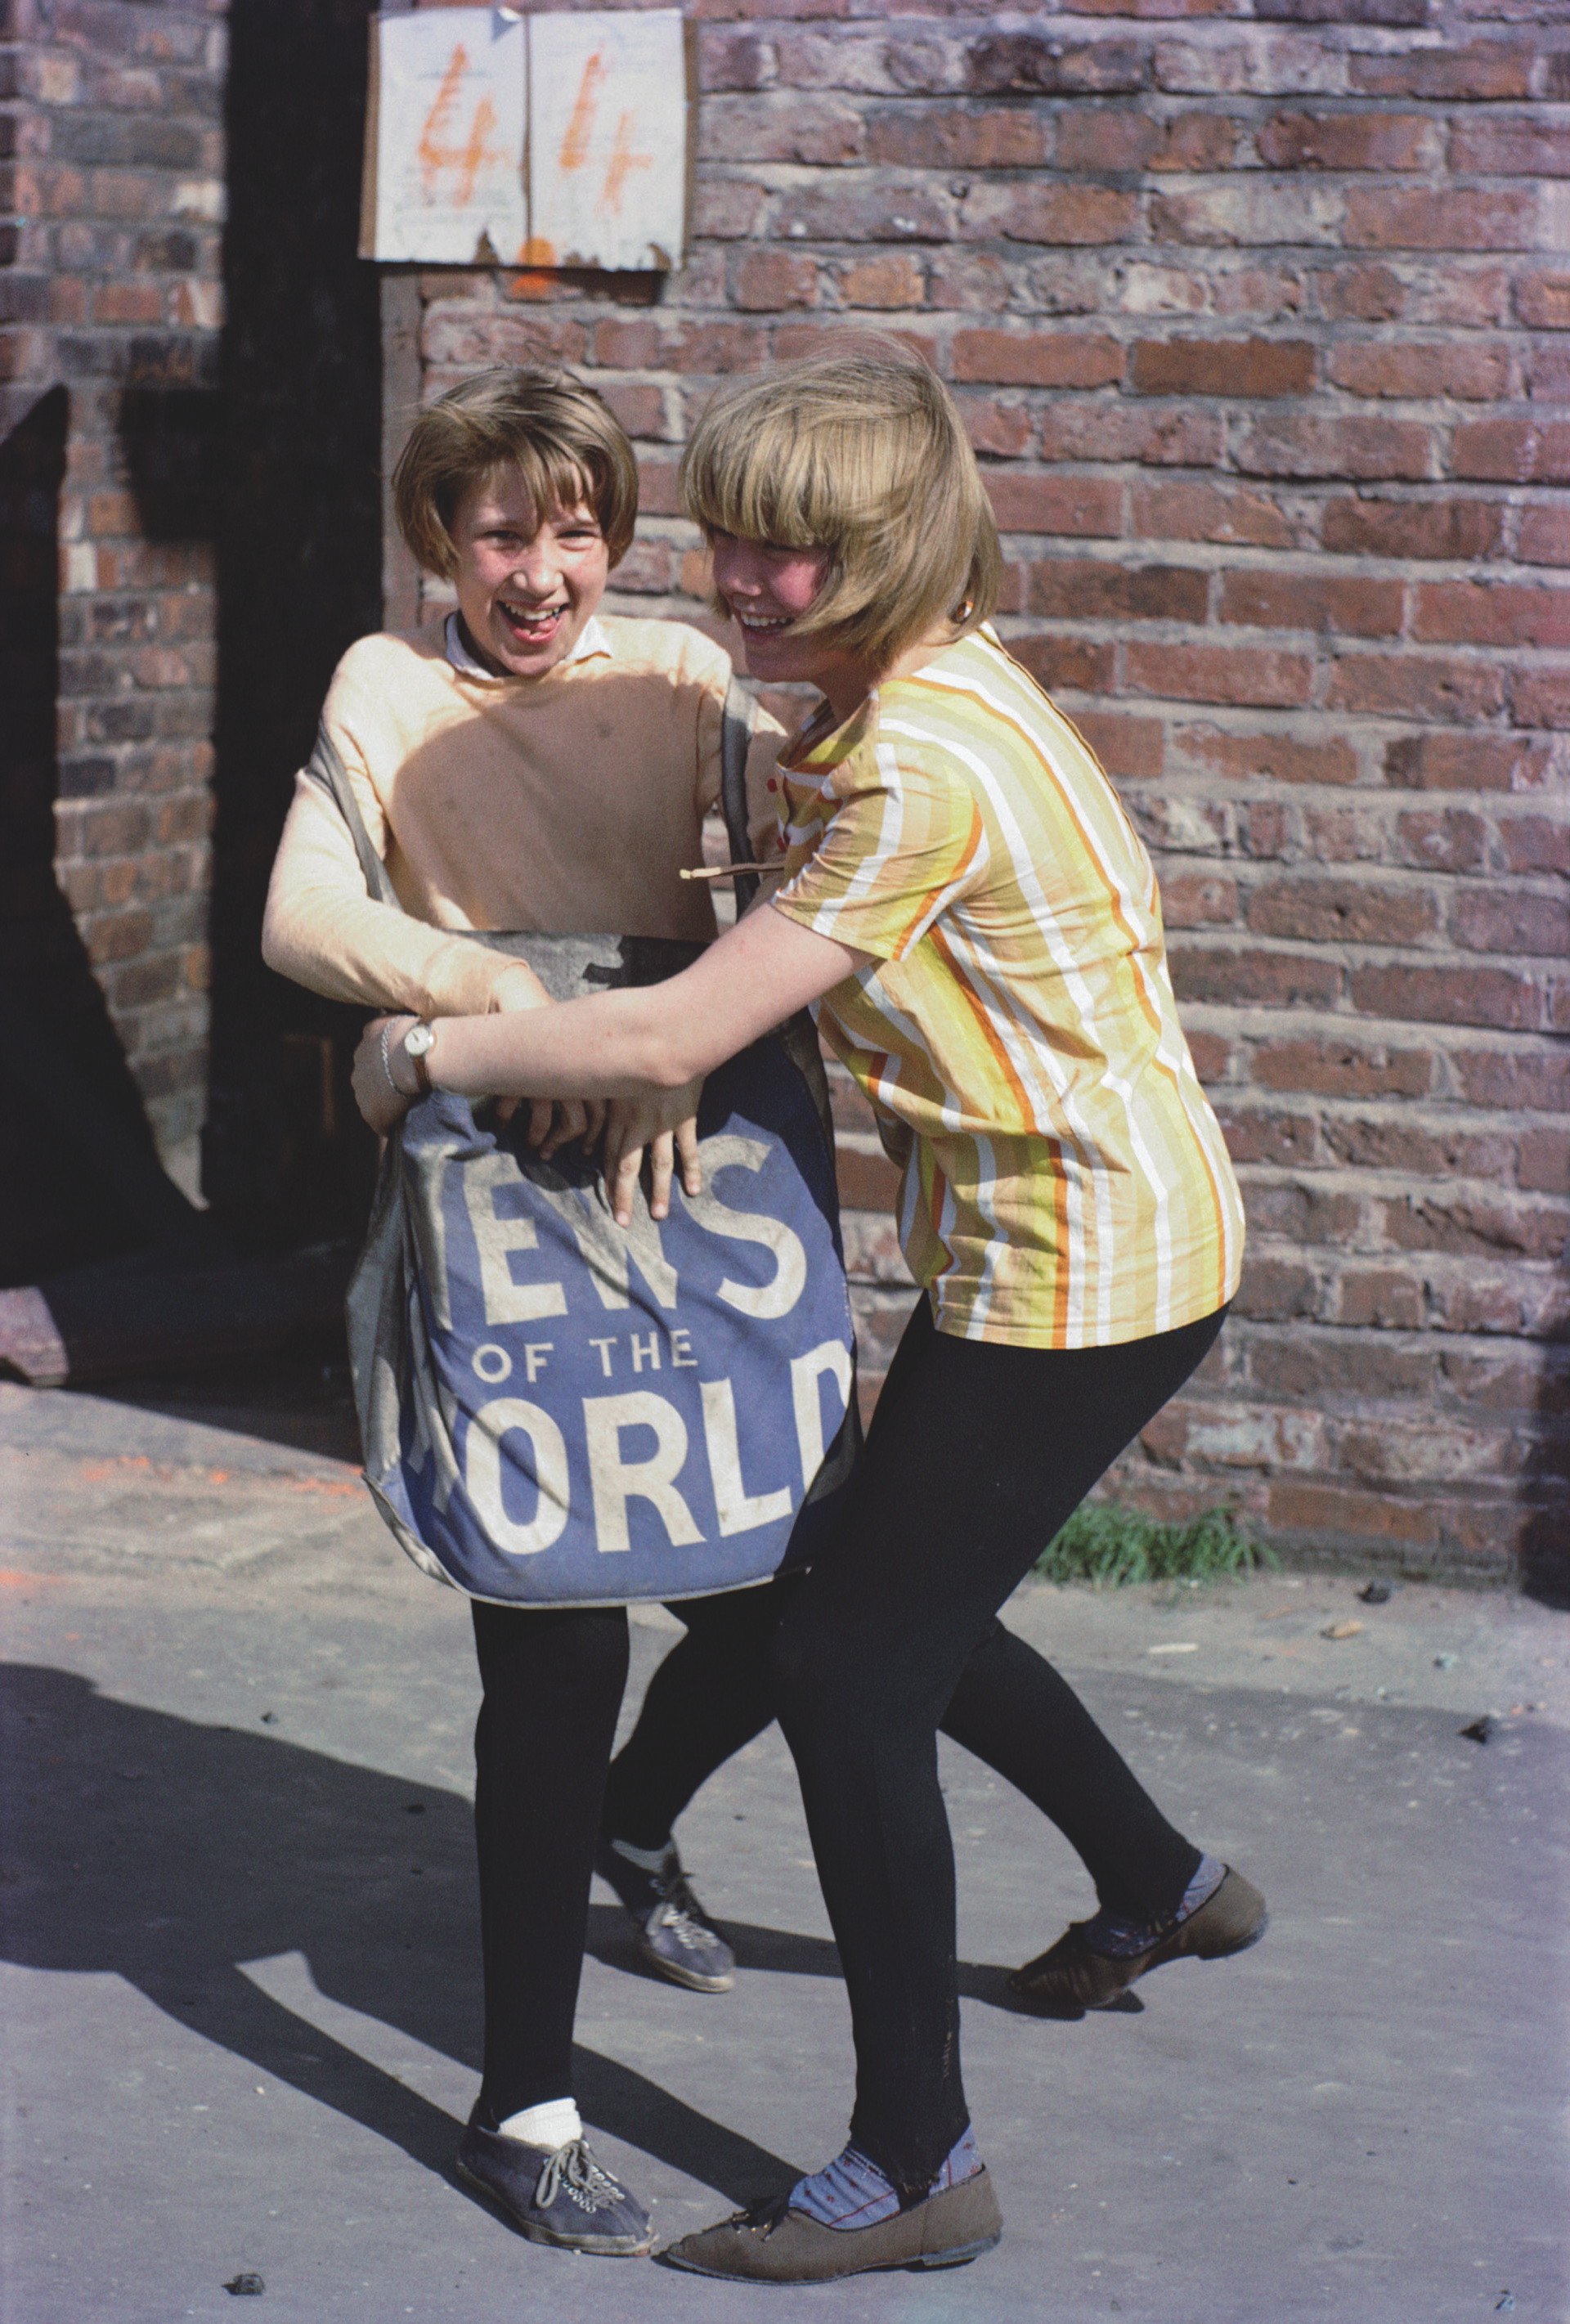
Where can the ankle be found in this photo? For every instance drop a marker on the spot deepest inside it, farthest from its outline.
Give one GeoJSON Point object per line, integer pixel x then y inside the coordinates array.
{"type": "Point", "coordinates": [852, 2192]}
{"type": "Point", "coordinates": [1120, 1935]}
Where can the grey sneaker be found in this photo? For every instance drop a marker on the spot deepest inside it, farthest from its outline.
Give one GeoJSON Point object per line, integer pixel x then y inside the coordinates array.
{"type": "Point", "coordinates": [675, 1934]}
{"type": "Point", "coordinates": [556, 2196]}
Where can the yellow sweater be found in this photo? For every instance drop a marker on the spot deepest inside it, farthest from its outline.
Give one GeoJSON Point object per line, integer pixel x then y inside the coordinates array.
{"type": "Point", "coordinates": [563, 804]}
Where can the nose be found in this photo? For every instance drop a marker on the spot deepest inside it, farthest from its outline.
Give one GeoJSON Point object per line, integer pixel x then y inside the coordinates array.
{"type": "Point", "coordinates": [735, 573]}
{"type": "Point", "coordinates": [538, 568]}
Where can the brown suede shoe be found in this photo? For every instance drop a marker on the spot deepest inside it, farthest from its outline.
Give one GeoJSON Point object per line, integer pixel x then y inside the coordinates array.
{"type": "Point", "coordinates": [1070, 1979]}
{"type": "Point", "coordinates": [770, 2242]}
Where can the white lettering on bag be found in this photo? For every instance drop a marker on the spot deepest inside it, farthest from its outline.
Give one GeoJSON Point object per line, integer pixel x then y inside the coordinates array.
{"type": "Point", "coordinates": [805, 1372]}
{"type": "Point", "coordinates": [609, 1249]}
{"type": "Point", "coordinates": [506, 1301]}
{"type": "Point", "coordinates": [739, 1511]}
{"type": "Point", "coordinates": [483, 1474]}
{"type": "Point", "coordinates": [616, 1481]}
{"type": "Point", "coordinates": [767, 1301]}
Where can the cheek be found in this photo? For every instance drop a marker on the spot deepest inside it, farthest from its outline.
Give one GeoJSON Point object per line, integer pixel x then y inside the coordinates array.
{"type": "Point", "coordinates": [797, 584]}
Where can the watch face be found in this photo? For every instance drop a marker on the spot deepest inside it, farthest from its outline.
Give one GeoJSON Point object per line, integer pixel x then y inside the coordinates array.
{"type": "Point", "coordinates": [417, 1040]}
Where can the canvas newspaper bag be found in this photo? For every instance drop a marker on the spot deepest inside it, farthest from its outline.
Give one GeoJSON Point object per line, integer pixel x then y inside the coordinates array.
{"type": "Point", "coordinates": [560, 1411]}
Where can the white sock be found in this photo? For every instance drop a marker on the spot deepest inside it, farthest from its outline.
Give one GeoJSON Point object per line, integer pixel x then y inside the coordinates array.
{"type": "Point", "coordinates": [555, 2123]}
{"type": "Point", "coordinates": [647, 1859]}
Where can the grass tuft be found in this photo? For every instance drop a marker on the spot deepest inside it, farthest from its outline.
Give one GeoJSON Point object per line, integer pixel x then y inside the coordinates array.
{"type": "Point", "coordinates": [1109, 1546]}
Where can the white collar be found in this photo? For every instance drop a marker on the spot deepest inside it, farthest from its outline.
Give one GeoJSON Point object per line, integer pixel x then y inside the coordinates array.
{"type": "Point", "coordinates": [593, 641]}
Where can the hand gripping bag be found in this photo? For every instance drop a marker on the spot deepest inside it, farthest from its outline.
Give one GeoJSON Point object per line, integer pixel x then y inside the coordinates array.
{"type": "Point", "coordinates": [555, 1411]}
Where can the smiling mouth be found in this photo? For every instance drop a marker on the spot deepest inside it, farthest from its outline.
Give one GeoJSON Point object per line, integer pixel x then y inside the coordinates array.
{"type": "Point", "coordinates": [532, 624]}
{"type": "Point", "coordinates": [756, 626]}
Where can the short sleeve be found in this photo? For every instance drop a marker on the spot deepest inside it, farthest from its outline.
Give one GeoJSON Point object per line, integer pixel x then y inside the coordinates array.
{"type": "Point", "coordinates": [905, 845]}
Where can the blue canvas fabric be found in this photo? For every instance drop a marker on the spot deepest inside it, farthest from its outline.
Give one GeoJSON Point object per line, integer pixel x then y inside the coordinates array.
{"type": "Point", "coordinates": [558, 1411]}
{"type": "Point", "coordinates": [555, 1412]}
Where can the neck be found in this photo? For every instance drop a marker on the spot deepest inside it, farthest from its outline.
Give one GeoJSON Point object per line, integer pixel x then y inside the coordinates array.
{"type": "Point", "coordinates": [845, 689]}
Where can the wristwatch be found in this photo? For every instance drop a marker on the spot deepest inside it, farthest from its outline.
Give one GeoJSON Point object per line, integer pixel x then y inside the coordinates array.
{"type": "Point", "coordinates": [417, 1044]}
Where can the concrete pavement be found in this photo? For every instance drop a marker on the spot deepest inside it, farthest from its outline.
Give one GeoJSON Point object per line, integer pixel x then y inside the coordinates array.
{"type": "Point", "coordinates": [240, 1972]}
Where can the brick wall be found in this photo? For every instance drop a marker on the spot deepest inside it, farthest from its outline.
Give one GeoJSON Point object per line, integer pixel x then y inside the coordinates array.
{"type": "Point", "coordinates": [1256, 313]}
{"type": "Point", "coordinates": [109, 314]}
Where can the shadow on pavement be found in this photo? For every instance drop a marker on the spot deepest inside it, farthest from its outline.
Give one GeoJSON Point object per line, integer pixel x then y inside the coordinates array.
{"type": "Point", "coordinates": [170, 1854]}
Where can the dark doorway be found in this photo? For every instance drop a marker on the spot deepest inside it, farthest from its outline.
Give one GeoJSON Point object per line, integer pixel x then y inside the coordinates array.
{"type": "Point", "coordinates": [300, 546]}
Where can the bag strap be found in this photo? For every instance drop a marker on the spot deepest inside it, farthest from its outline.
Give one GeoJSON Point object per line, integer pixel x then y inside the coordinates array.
{"type": "Point", "coordinates": [740, 717]}
{"type": "Point", "coordinates": [326, 765]}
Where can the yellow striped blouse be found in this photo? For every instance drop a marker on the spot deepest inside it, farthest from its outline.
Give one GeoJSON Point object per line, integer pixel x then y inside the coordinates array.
{"type": "Point", "coordinates": [1065, 1184]}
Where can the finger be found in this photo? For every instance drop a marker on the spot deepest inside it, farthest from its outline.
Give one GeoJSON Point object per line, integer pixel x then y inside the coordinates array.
{"type": "Point", "coordinates": [622, 1183]}
{"type": "Point", "coordinates": [571, 1124]}
{"type": "Point", "coordinates": [687, 1149]}
{"type": "Point", "coordinates": [659, 1160]}
{"type": "Point", "coordinates": [541, 1110]}
{"type": "Point", "coordinates": [506, 1107]}
{"type": "Point", "coordinates": [594, 1114]}
{"type": "Point", "coordinates": [561, 1129]}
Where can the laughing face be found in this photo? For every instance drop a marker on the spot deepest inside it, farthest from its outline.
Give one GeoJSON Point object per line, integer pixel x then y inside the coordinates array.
{"type": "Point", "coordinates": [527, 586]}
{"type": "Point", "coordinates": [767, 588]}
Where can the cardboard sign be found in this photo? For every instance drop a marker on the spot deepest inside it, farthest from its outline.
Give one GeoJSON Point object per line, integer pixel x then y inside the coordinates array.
{"type": "Point", "coordinates": [494, 139]}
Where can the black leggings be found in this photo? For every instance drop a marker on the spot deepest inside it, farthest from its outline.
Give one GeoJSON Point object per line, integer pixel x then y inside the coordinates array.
{"type": "Point", "coordinates": [976, 1456]}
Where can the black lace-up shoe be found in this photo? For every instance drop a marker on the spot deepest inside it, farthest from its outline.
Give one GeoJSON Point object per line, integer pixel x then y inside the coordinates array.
{"type": "Point", "coordinates": [555, 2196]}
{"type": "Point", "coordinates": [675, 1934]}
{"type": "Point", "coordinates": [1069, 1977]}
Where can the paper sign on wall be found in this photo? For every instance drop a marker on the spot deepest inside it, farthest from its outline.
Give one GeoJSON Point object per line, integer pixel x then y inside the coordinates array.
{"type": "Point", "coordinates": [537, 141]}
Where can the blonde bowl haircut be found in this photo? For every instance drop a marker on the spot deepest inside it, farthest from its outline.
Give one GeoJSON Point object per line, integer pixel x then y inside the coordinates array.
{"type": "Point", "coordinates": [537, 418]}
{"type": "Point", "coordinates": [862, 454]}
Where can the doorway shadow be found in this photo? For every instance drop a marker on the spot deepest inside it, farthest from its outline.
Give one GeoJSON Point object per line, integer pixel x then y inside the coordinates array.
{"type": "Point", "coordinates": [170, 1854]}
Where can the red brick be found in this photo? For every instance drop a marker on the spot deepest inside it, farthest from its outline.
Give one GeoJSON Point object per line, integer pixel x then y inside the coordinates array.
{"type": "Point", "coordinates": [1449, 839]}
{"type": "Point", "coordinates": [1488, 70]}
{"type": "Point", "coordinates": [892, 281]}
{"type": "Point", "coordinates": [1041, 359]}
{"type": "Point", "coordinates": [1212, 1055]}
{"type": "Point", "coordinates": [1540, 697]}
{"type": "Point", "coordinates": [1379, 1297]}
{"type": "Point", "coordinates": [969, 282]}
{"type": "Point", "coordinates": [1307, 600]}
{"type": "Point", "coordinates": [1511, 145]}
{"type": "Point", "coordinates": [1319, 910]}
{"type": "Point", "coordinates": [1089, 589]}
{"type": "Point", "coordinates": [1463, 762]}
{"type": "Point", "coordinates": [1511, 921]}
{"type": "Point", "coordinates": [876, 209]}
{"type": "Point", "coordinates": [867, 1181]}
{"type": "Point", "coordinates": [1187, 438]}
{"type": "Point", "coordinates": [1364, 291]}
{"type": "Point", "coordinates": [1311, 444]}
{"type": "Point", "coordinates": [658, 491]}
{"type": "Point", "coordinates": [1253, 977]}
{"type": "Point", "coordinates": [816, 131]}
{"type": "Point", "coordinates": [1471, 1226]}
{"type": "Point", "coordinates": [1230, 367]}
{"type": "Point", "coordinates": [1438, 995]}
{"type": "Point", "coordinates": [1100, 137]}
{"type": "Point", "coordinates": [772, 282]}
{"type": "Point", "coordinates": [641, 408]}
{"type": "Point", "coordinates": [1132, 748]}
{"type": "Point", "coordinates": [631, 345]}
{"type": "Point", "coordinates": [1490, 613]}
{"type": "Point", "coordinates": [1513, 451]}
{"type": "Point", "coordinates": [1198, 899]}
{"type": "Point", "coordinates": [1028, 64]}
{"type": "Point", "coordinates": [1336, 1515]}
{"type": "Point", "coordinates": [1542, 301]}
{"type": "Point", "coordinates": [716, 347]}
{"type": "Point", "coordinates": [1082, 664]}
{"type": "Point", "coordinates": [1466, 526]}
{"type": "Point", "coordinates": [1514, 1079]}
{"type": "Point", "coordinates": [1545, 369]}
{"type": "Point", "coordinates": [1543, 1166]}
{"type": "Point", "coordinates": [943, 136]}
{"type": "Point", "coordinates": [1340, 1067]}
{"type": "Point", "coordinates": [1473, 218]}
{"type": "Point", "coordinates": [1264, 1134]}
{"type": "Point", "coordinates": [1409, 686]}
{"type": "Point", "coordinates": [1535, 843]}
{"type": "Point", "coordinates": [1328, 1368]}
{"type": "Point", "coordinates": [1289, 758]}
{"type": "Point", "coordinates": [1181, 511]}
{"type": "Point", "coordinates": [1046, 213]}
{"type": "Point", "coordinates": [1410, 368]}
{"type": "Point", "coordinates": [994, 426]}
{"type": "Point", "coordinates": [1276, 1290]}
{"type": "Point", "coordinates": [1349, 141]}
{"type": "Point", "coordinates": [1090, 507]}
{"type": "Point", "coordinates": [1197, 673]}
{"type": "Point", "coordinates": [729, 210]}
